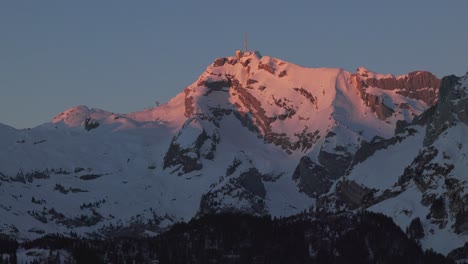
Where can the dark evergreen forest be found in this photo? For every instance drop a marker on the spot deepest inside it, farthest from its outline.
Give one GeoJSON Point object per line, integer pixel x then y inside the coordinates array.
{"type": "Point", "coordinates": [238, 238]}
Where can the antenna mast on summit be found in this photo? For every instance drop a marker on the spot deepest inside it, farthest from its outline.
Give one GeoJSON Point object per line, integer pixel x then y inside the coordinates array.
{"type": "Point", "coordinates": [245, 42]}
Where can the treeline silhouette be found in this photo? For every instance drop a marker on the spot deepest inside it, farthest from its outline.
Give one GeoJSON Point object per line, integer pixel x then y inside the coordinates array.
{"type": "Point", "coordinates": [238, 238]}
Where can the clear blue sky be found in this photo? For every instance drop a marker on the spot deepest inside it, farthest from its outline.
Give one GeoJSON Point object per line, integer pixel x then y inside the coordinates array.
{"type": "Point", "coordinates": [122, 56]}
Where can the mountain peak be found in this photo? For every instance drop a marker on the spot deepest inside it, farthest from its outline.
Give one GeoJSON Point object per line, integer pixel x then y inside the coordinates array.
{"type": "Point", "coordinates": [253, 134]}
{"type": "Point", "coordinates": [76, 116]}
{"type": "Point", "coordinates": [361, 69]}
{"type": "Point", "coordinates": [76, 111]}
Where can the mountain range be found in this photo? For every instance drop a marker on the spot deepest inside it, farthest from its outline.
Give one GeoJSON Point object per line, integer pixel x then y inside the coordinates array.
{"type": "Point", "coordinates": [253, 134]}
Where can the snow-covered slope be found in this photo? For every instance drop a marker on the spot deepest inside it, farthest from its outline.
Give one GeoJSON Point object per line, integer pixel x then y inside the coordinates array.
{"type": "Point", "coordinates": [419, 173]}
{"type": "Point", "coordinates": [253, 134]}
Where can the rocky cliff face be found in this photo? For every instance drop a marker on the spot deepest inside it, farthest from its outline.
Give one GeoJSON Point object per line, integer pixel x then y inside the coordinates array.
{"type": "Point", "coordinates": [451, 109]}
{"type": "Point", "coordinates": [419, 85]}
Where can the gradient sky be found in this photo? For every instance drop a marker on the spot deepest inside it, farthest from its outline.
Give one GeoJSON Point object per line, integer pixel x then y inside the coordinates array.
{"type": "Point", "coordinates": [122, 56]}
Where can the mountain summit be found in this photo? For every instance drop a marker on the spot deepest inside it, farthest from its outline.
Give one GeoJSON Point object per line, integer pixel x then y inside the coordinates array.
{"type": "Point", "coordinates": [252, 134]}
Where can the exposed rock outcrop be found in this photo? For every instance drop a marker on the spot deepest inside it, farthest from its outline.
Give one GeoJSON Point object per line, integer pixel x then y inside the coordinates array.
{"type": "Point", "coordinates": [351, 194]}
{"type": "Point", "coordinates": [375, 103]}
{"type": "Point", "coordinates": [367, 149]}
{"type": "Point", "coordinates": [267, 66]}
{"type": "Point", "coordinates": [186, 151]}
{"type": "Point", "coordinates": [243, 193]}
{"type": "Point", "coordinates": [90, 124]}
{"type": "Point", "coordinates": [452, 106]}
{"type": "Point", "coordinates": [251, 180]}
{"type": "Point", "coordinates": [313, 179]}
{"type": "Point", "coordinates": [419, 85]}
{"type": "Point", "coordinates": [337, 162]}
{"type": "Point", "coordinates": [189, 103]}
{"type": "Point", "coordinates": [219, 62]}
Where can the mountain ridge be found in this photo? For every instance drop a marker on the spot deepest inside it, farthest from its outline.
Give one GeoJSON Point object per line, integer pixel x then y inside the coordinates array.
{"type": "Point", "coordinates": [252, 134]}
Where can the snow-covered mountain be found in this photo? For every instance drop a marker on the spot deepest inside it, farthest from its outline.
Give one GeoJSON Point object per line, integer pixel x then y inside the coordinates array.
{"type": "Point", "coordinates": [253, 134]}
{"type": "Point", "coordinates": [418, 173]}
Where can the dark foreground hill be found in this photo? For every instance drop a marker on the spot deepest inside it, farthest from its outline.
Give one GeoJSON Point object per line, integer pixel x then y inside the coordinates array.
{"type": "Point", "coordinates": [239, 238]}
